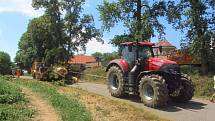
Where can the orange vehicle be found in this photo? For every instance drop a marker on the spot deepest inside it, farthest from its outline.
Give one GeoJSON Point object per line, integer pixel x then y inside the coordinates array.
{"type": "Point", "coordinates": [182, 57]}
{"type": "Point", "coordinates": [39, 71]}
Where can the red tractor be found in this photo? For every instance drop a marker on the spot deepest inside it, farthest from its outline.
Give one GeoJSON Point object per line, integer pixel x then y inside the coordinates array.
{"type": "Point", "coordinates": [154, 79]}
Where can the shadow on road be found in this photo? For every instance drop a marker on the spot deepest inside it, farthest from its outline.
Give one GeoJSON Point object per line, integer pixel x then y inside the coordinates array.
{"type": "Point", "coordinates": [191, 105]}
{"type": "Point", "coordinates": [172, 106]}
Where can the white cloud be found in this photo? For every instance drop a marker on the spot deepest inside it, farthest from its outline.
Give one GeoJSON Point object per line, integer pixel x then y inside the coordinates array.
{"type": "Point", "coordinates": [20, 6]}
{"type": "Point", "coordinates": [95, 46]}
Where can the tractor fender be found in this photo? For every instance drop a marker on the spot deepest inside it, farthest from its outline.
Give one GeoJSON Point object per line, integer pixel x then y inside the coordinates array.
{"type": "Point", "coordinates": [149, 73]}
{"type": "Point", "coordinates": [123, 64]}
{"type": "Point", "coordinates": [161, 73]}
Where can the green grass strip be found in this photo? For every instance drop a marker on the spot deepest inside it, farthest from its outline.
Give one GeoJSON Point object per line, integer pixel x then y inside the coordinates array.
{"type": "Point", "coordinates": [70, 109]}
{"type": "Point", "coordinates": [13, 105]}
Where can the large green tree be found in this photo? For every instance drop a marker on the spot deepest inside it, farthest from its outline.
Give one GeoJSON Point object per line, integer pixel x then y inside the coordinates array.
{"type": "Point", "coordinates": [5, 63]}
{"type": "Point", "coordinates": [55, 36]}
{"type": "Point", "coordinates": [26, 53]}
{"type": "Point", "coordinates": [196, 19]}
{"type": "Point", "coordinates": [37, 44]}
{"type": "Point", "coordinates": [141, 17]}
{"type": "Point", "coordinates": [79, 28]}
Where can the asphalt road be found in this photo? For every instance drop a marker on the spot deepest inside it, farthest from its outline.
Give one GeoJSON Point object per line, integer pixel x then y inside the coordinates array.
{"type": "Point", "coordinates": [194, 110]}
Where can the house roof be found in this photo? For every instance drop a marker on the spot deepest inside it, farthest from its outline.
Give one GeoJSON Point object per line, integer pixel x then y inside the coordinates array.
{"type": "Point", "coordinates": [140, 43]}
{"type": "Point", "coordinates": [164, 43]}
{"type": "Point", "coordinates": [82, 59]}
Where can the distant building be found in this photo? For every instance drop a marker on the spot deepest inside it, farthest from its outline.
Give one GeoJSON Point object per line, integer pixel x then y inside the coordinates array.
{"type": "Point", "coordinates": [166, 47]}
{"type": "Point", "coordinates": [88, 61]}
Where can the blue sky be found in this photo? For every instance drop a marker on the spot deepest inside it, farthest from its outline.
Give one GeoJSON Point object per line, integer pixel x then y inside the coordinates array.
{"type": "Point", "coordinates": [15, 15]}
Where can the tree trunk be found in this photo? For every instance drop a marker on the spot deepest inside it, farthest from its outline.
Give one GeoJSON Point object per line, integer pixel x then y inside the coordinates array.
{"type": "Point", "coordinates": [204, 59]}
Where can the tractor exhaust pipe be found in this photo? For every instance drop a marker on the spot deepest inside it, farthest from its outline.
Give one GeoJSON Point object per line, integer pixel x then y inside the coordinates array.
{"type": "Point", "coordinates": [132, 77]}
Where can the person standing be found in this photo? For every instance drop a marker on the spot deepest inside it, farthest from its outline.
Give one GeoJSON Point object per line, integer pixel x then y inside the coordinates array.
{"type": "Point", "coordinates": [18, 72]}
{"type": "Point", "coordinates": [13, 72]}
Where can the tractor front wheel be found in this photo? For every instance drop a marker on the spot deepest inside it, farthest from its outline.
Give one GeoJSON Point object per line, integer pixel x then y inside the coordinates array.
{"type": "Point", "coordinates": [186, 93]}
{"type": "Point", "coordinates": [153, 91]}
{"type": "Point", "coordinates": [115, 81]}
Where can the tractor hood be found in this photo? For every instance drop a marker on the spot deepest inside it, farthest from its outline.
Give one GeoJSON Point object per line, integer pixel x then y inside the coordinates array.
{"type": "Point", "coordinates": [157, 63]}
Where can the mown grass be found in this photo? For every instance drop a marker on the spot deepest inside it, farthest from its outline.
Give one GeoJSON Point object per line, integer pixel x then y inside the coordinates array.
{"type": "Point", "coordinates": [106, 109]}
{"type": "Point", "coordinates": [70, 109]}
{"type": "Point", "coordinates": [13, 104]}
{"type": "Point", "coordinates": [99, 71]}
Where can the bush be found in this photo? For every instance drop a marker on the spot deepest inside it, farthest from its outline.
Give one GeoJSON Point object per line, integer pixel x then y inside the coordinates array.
{"type": "Point", "coordinates": [203, 85]}
{"type": "Point", "coordinates": [190, 69]}
{"type": "Point", "coordinates": [5, 63]}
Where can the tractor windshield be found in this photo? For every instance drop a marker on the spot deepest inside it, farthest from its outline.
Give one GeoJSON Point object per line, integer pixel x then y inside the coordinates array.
{"type": "Point", "coordinates": [130, 54]}
{"type": "Point", "coordinates": [145, 52]}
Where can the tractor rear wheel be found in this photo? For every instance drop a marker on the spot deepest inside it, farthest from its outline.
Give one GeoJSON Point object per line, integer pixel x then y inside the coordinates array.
{"type": "Point", "coordinates": [153, 91]}
{"type": "Point", "coordinates": [115, 81]}
{"type": "Point", "coordinates": [186, 93]}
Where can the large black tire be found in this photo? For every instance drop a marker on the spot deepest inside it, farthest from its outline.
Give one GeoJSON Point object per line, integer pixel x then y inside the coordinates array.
{"type": "Point", "coordinates": [186, 93]}
{"type": "Point", "coordinates": [116, 82]}
{"type": "Point", "coordinates": [153, 91]}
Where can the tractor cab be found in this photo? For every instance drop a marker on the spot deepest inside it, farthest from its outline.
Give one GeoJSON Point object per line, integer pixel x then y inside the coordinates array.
{"type": "Point", "coordinates": [132, 51]}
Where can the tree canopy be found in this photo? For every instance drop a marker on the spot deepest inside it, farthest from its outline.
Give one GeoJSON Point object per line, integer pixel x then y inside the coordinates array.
{"type": "Point", "coordinates": [140, 17]}
{"type": "Point", "coordinates": [196, 19]}
{"type": "Point", "coordinates": [5, 63]}
{"type": "Point", "coordinates": [56, 35]}
{"type": "Point", "coordinates": [106, 57]}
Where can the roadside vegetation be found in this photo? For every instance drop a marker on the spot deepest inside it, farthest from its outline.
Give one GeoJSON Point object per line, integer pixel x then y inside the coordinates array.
{"type": "Point", "coordinates": [70, 109]}
{"type": "Point", "coordinates": [69, 102]}
{"type": "Point", "coordinates": [106, 109]}
{"type": "Point", "coordinates": [99, 71]}
{"type": "Point", "coordinates": [204, 85]}
{"type": "Point", "coordinates": [13, 104]}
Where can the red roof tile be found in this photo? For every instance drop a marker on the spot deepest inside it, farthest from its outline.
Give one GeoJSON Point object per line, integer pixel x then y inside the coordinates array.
{"type": "Point", "coordinates": [141, 43]}
{"type": "Point", "coordinates": [82, 59]}
{"type": "Point", "coordinates": [164, 43]}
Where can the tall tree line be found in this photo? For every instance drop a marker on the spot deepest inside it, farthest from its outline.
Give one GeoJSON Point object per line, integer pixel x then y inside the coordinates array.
{"type": "Point", "coordinates": [56, 35]}
{"type": "Point", "coordinates": [62, 30]}
{"type": "Point", "coordinates": [194, 18]}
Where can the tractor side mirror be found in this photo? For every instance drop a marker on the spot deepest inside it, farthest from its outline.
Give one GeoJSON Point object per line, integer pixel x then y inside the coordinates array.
{"type": "Point", "coordinates": [130, 48]}
{"type": "Point", "coordinates": [160, 49]}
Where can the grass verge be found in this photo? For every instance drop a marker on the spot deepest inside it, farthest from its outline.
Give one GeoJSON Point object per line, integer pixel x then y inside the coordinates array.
{"type": "Point", "coordinates": [99, 71]}
{"type": "Point", "coordinates": [70, 109]}
{"type": "Point", "coordinates": [204, 85]}
{"type": "Point", "coordinates": [13, 105]}
{"type": "Point", "coordinates": [105, 109]}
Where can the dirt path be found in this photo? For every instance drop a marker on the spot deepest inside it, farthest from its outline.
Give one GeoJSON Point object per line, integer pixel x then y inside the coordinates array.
{"type": "Point", "coordinates": [195, 110]}
{"type": "Point", "coordinates": [45, 112]}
